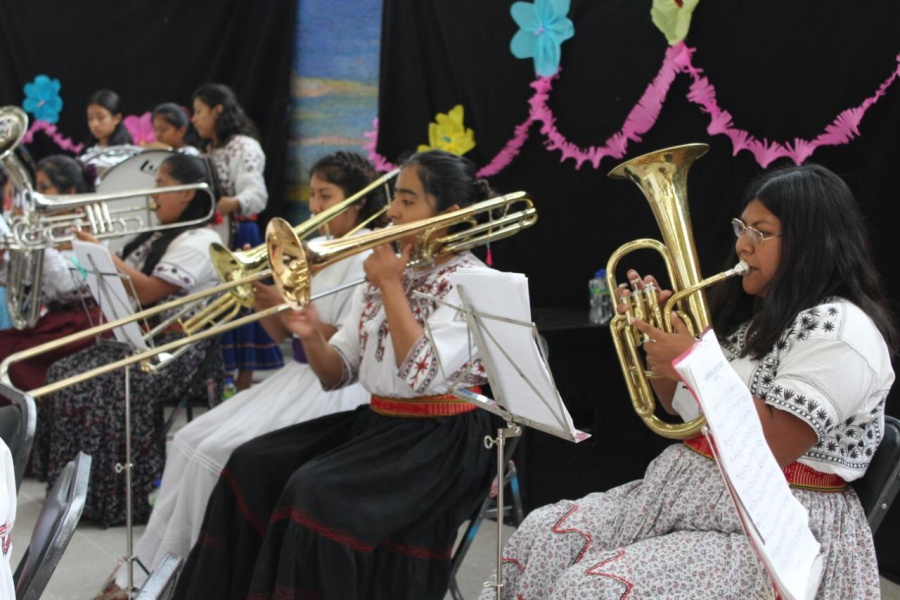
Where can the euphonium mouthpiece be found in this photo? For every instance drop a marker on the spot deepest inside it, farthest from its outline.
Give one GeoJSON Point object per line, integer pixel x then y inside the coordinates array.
{"type": "Point", "coordinates": [741, 268]}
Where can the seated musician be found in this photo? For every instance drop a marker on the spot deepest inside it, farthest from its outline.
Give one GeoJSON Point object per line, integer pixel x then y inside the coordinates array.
{"type": "Point", "coordinates": [90, 416]}
{"type": "Point", "coordinates": [809, 331]}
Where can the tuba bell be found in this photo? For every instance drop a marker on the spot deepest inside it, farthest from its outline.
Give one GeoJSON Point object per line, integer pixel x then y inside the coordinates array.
{"type": "Point", "coordinates": [662, 177]}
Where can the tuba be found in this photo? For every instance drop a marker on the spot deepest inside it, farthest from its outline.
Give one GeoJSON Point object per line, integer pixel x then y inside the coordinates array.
{"type": "Point", "coordinates": [46, 221]}
{"type": "Point", "coordinates": [24, 269]}
{"type": "Point", "coordinates": [662, 177]}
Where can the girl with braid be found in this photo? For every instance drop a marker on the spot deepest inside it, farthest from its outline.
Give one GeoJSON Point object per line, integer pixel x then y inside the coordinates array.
{"type": "Point", "coordinates": [90, 416]}
{"type": "Point", "coordinates": [290, 396]}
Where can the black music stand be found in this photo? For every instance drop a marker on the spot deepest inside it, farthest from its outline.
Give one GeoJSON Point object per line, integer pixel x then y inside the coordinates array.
{"type": "Point", "coordinates": [515, 365]}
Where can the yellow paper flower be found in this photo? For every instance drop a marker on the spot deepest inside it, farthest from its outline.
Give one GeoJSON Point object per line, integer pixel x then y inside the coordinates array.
{"type": "Point", "coordinates": [449, 133]}
{"type": "Point", "coordinates": [673, 18]}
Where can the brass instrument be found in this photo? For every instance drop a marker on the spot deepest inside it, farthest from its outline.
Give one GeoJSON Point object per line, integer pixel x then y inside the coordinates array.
{"type": "Point", "coordinates": [50, 219]}
{"type": "Point", "coordinates": [25, 268]}
{"type": "Point", "coordinates": [46, 221]}
{"type": "Point", "coordinates": [429, 249]}
{"type": "Point", "coordinates": [234, 266]}
{"type": "Point", "coordinates": [294, 262]}
{"type": "Point", "coordinates": [662, 177]}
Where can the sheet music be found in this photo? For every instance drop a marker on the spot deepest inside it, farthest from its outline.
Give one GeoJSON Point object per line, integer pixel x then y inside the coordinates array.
{"type": "Point", "coordinates": [775, 521]}
{"type": "Point", "coordinates": [519, 377]}
{"type": "Point", "coordinates": [106, 287]}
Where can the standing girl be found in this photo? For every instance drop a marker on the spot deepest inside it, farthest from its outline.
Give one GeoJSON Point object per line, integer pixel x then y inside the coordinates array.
{"type": "Point", "coordinates": [229, 137]}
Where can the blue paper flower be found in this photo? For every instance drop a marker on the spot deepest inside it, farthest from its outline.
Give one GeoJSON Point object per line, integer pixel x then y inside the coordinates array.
{"type": "Point", "coordinates": [42, 99]}
{"type": "Point", "coordinates": [543, 27]}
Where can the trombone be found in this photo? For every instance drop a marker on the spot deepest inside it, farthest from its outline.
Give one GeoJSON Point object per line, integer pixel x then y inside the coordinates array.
{"type": "Point", "coordinates": [295, 262]}
{"type": "Point", "coordinates": [234, 266]}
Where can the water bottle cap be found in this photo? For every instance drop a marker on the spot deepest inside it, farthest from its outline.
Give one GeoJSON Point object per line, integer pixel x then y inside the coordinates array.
{"type": "Point", "coordinates": [229, 379]}
{"type": "Point", "coordinates": [601, 274]}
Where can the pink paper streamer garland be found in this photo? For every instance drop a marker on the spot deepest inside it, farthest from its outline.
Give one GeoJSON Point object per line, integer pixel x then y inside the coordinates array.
{"type": "Point", "coordinates": [643, 116]}
{"type": "Point", "coordinates": [52, 132]}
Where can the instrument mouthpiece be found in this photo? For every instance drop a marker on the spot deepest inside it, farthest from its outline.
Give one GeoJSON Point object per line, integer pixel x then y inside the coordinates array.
{"type": "Point", "coordinates": [741, 268]}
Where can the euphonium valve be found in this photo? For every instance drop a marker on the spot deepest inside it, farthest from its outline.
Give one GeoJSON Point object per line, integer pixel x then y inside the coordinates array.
{"type": "Point", "coordinates": [662, 177]}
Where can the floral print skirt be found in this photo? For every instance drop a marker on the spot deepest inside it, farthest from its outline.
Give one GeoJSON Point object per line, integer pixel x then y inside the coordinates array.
{"type": "Point", "coordinates": [674, 534]}
{"type": "Point", "coordinates": [90, 417]}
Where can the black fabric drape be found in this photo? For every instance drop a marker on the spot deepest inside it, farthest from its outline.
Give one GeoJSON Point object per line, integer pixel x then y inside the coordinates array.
{"type": "Point", "coordinates": [782, 70]}
{"type": "Point", "coordinates": [153, 51]}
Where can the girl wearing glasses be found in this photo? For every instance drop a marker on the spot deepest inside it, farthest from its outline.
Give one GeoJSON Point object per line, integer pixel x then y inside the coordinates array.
{"type": "Point", "coordinates": [808, 330]}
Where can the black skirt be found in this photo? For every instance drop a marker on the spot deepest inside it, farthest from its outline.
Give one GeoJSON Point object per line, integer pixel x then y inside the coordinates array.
{"type": "Point", "coordinates": [351, 505]}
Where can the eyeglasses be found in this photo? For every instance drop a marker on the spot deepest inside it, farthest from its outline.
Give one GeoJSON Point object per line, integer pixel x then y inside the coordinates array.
{"type": "Point", "coordinates": [756, 237]}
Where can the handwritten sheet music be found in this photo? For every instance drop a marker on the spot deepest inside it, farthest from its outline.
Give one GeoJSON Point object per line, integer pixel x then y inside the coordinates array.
{"type": "Point", "coordinates": [517, 372]}
{"type": "Point", "coordinates": [775, 521]}
{"type": "Point", "coordinates": [108, 290]}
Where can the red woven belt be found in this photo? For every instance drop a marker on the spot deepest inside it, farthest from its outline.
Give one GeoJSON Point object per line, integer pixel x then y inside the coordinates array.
{"type": "Point", "coordinates": [243, 218]}
{"type": "Point", "coordinates": [798, 475]}
{"type": "Point", "coordinates": [423, 406]}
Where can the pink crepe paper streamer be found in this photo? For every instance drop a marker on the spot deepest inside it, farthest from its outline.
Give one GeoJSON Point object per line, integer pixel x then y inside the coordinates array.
{"type": "Point", "coordinates": [844, 128]}
{"type": "Point", "coordinates": [382, 165]}
{"type": "Point", "coordinates": [644, 114]}
{"type": "Point", "coordinates": [51, 131]}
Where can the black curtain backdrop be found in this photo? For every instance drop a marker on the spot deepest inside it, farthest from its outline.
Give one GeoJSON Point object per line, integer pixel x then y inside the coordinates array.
{"type": "Point", "coordinates": [153, 51]}
{"type": "Point", "coordinates": [783, 70]}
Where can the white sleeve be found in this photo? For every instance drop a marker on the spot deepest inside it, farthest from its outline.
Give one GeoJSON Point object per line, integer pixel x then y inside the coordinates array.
{"type": "Point", "coordinates": [187, 263]}
{"type": "Point", "coordinates": [57, 279]}
{"type": "Point", "coordinates": [249, 183]}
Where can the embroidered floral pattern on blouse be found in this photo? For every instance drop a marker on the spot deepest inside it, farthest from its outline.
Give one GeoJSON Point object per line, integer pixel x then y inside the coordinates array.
{"type": "Point", "coordinates": [238, 148]}
{"type": "Point", "coordinates": [851, 442]}
{"type": "Point", "coordinates": [420, 366]}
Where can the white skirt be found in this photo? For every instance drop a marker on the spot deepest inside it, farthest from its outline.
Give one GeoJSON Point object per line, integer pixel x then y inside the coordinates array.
{"type": "Point", "coordinates": [674, 535]}
{"type": "Point", "coordinates": [201, 448]}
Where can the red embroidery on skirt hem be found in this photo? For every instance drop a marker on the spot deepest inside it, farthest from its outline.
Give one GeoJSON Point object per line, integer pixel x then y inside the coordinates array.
{"type": "Point", "coordinates": [589, 540]}
{"type": "Point", "coordinates": [215, 542]}
{"type": "Point", "coordinates": [304, 520]}
{"type": "Point", "coordinates": [251, 518]}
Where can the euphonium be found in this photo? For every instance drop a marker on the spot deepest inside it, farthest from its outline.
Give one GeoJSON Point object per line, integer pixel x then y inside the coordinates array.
{"type": "Point", "coordinates": [662, 177]}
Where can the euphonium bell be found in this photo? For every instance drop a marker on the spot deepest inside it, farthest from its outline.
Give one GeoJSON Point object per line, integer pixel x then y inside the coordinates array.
{"type": "Point", "coordinates": [662, 177]}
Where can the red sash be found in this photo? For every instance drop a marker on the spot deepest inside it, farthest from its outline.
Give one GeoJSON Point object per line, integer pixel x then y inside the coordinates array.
{"type": "Point", "coordinates": [798, 475]}
{"type": "Point", "coordinates": [423, 406]}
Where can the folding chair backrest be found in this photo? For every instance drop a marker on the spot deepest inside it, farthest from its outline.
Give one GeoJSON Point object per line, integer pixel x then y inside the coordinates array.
{"type": "Point", "coordinates": [878, 488]}
{"type": "Point", "coordinates": [160, 585]}
{"type": "Point", "coordinates": [17, 423]}
{"type": "Point", "coordinates": [54, 528]}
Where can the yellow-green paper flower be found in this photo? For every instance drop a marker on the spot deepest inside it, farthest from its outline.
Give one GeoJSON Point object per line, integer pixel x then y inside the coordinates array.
{"type": "Point", "coordinates": [449, 133]}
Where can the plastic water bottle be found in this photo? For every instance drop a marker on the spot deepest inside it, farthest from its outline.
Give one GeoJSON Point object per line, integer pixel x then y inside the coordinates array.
{"type": "Point", "coordinates": [601, 302]}
{"type": "Point", "coordinates": [229, 389]}
{"type": "Point", "coordinates": [151, 497]}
